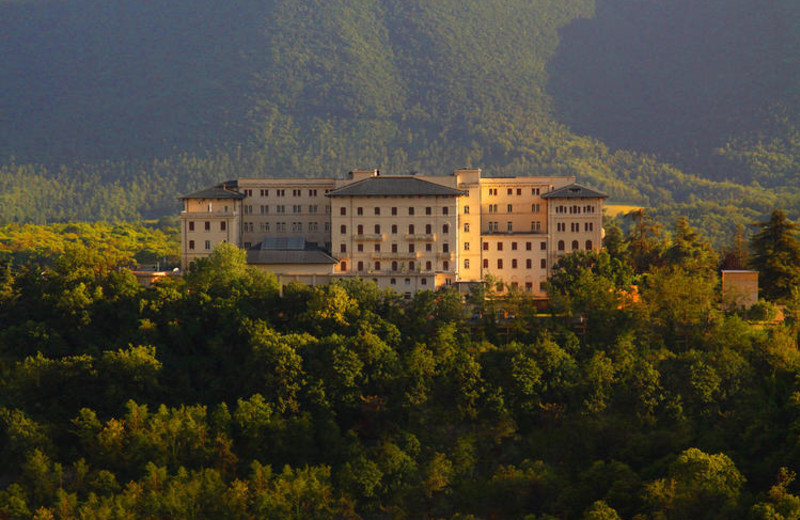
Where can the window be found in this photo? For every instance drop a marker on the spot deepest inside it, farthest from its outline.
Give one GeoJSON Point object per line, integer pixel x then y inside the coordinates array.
{"type": "Point", "coordinates": [542, 286]}
{"type": "Point", "coordinates": [514, 263]}
{"type": "Point", "coordinates": [264, 209]}
{"type": "Point", "coordinates": [588, 245]}
{"type": "Point", "coordinates": [466, 263]}
{"type": "Point", "coordinates": [499, 246]}
{"type": "Point", "coordinates": [377, 266]}
{"type": "Point", "coordinates": [509, 209]}
{"type": "Point", "coordinates": [534, 191]}
{"type": "Point", "coordinates": [342, 211]}
{"type": "Point", "coordinates": [543, 246]}
{"type": "Point", "coordinates": [575, 245]}
{"type": "Point", "coordinates": [377, 229]}
{"type": "Point", "coordinates": [561, 226]}
{"type": "Point", "coordinates": [445, 229]}
{"type": "Point", "coordinates": [410, 248]}
{"type": "Point", "coordinates": [575, 227]}
{"type": "Point", "coordinates": [377, 248]}
{"type": "Point", "coordinates": [486, 246]}
{"type": "Point", "coordinates": [499, 263]}
{"type": "Point", "coordinates": [248, 193]}
{"type": "Point", "coordinates": [509, 191]}
{"type": "Point", "coordinates": [343, 248]}
{"type": "Point", "coordinates": [445, 248]}
{"type": "Point", "coordinates": [536, 225]}
{"type": "Point", "coordinates": [343, 266]}
{"type": "Point", "coordinates": [411, 266]}
{"type": "Point", "coordinates": [297, 208]}
{"type": "Point", "coordinates": [360, 229]}
{"type": "Point", "coordinates": [560, 245]}
{"type": "Point", "coordinates": [466, 210]}
{"type": "Point", "coordinates": [428, 247]}
{"type": "Point", "coordinates": [394, 248]}
{"type": "Point", "coordinates": [411, 211]}
{"type": "Point", "coordinates": [280, 193]}
{"type": "Point", "coordinates": [312, 193]}
{"type": "Point", "coordinates": [529, 286]}
{"type": "Point", "coordinates": [394, 212]}
{"type": "Point", "coordinates": [377, 211]}
{"type": "Point", "coordinates": [394, 229]}
{"type": "Point", "coordinates": [297, 193]}
{"type": "Point", "coordinates": [445, 211]}
{"type": "Point", "coordinates": [327, 226]}
{"type": "Point", "coordinates": [543, 263]}
{"type": "Point", "coordinates": [208, 245]}
{"type": "Point", "coordinates": [359, 211]}
{"type": "Point", "coordinates": [394, 268]}
{"type": "Point", "coordinates": [313, 226]}
{"type": "Point", "coordinates": [281, 209]}
{"type": "Point", "coordinates": [509, 227]}
{"type": "Point", "coordinates": [466, 246]}
{"type": "Point", "coordinates": [406, 295]}
{"type": "Point", "coordinates": [486, 263]}
{"type": "Point", "coordinates": [393, 281]}
{"type": "Point", "coordinates": [428, 210]}
{"type": "Point", "coordinates": [513, 246]}
{"type": "Point", "coordinates": [424, 281]}
{"type": "Point", "coordinates": [519, 191]}
{"type": "Point", "coordinates": [535, 208]}
{"type": "Point", "coordinates": [361, 266]}
{"type": "Point", "coordinates": [208, 226]}
{"type": "Point", "coordinates": [466, 227]}
{"type": "Point", "coordinates": [360, 248]}
{"type": "Point", "coordinates": [312, 209]}
{"type": "Point", "coordinates": [446, 265]}
{"type": "Point", "coordinates": [191, 244]}
{"type": "Point", "coordinates": [223, 224]}
{"type": "Point", "coordinates": [528, 263]}
{"type": "Point", "coordinates": [411, 229]}
{"type": "Point", "coordinates": [428, 265]}
{"type": "Point", "coordinates": [492, 208]}
{"type": "Point", "coordinates": [588, 226]}
{"type": "Point", "coordinates": [528, 246]}
{"type": "Point", "coordinates": [427, 229]}
{"type": "Point", "coordinates": [191, 226]}
{"type": "Point", "coordinates": [343, 229]}
{"type": "Point", "coordinates": [265, 193]}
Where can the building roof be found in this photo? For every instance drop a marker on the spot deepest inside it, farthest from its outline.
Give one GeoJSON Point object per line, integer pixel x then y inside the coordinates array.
{"type": "Point", "coordinates": [215, 192]}
{"type": "Point", "coordinates": [397, 185]}
{"type": "Point", "coordinates": [574, 191]}
{"type": "Point", "coordinates": [287, 250]}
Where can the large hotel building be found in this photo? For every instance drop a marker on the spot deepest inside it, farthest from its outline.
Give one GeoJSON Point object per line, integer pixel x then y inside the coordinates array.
{"type": "Point", "coordinates": [405, 232]}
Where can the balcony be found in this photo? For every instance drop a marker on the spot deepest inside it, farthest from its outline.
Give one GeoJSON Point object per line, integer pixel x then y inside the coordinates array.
{"type": "Point", "coordinates": [200, 215]}
{"type": "Point", "coordinates": [395, 256]}
{"type": "Point", "coordinates": [444, 256]}
{"type": "Point", "coordinates": [369, 238]}
{"type": "Point", "coordinates": [419, 237]}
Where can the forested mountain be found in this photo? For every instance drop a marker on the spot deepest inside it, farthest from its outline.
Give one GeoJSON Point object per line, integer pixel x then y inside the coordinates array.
{"type": "Point", "coordinates": [112, 108]}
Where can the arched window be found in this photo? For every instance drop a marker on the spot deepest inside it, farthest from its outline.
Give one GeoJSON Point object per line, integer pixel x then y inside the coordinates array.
{"type": "Point", "coordinates": [588, 245]}
{"type": "Point", "coordinates": [575, 245]}
{"type": "Point", "coordinates": [560, 245]}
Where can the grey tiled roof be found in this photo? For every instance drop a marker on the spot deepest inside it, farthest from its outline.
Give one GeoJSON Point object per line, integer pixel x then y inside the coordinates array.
{"type": "Point", "coordinates": [394, 186]}
{"type": "Point", "coordinates": [287, 250]}
{"type": "Point", "coordinates": [213, 193]}
{"type": "Point", "coordinates": [574, 191]}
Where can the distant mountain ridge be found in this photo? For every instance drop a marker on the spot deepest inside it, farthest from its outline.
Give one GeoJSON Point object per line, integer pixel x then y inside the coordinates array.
{"type": "Point", "coordinates": [148, 99]}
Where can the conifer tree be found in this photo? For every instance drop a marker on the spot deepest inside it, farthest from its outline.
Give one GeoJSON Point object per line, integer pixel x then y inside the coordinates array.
{"type": "Point", "coordinates": [776, 255]}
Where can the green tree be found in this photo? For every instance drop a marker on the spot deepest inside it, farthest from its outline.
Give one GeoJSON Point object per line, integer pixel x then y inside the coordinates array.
{"type": "Point", "coordinates": [776, 255]}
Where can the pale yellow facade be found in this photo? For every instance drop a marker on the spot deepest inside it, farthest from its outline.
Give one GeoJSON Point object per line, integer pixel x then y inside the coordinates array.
{"type": "Point", "coordinates": [409, 233]}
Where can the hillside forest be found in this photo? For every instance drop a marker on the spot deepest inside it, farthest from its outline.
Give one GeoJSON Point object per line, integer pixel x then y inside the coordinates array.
{"type": "Point", "coordinates": [111, 109]}
{"type": "Point", "coordinates": [639, 393]}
